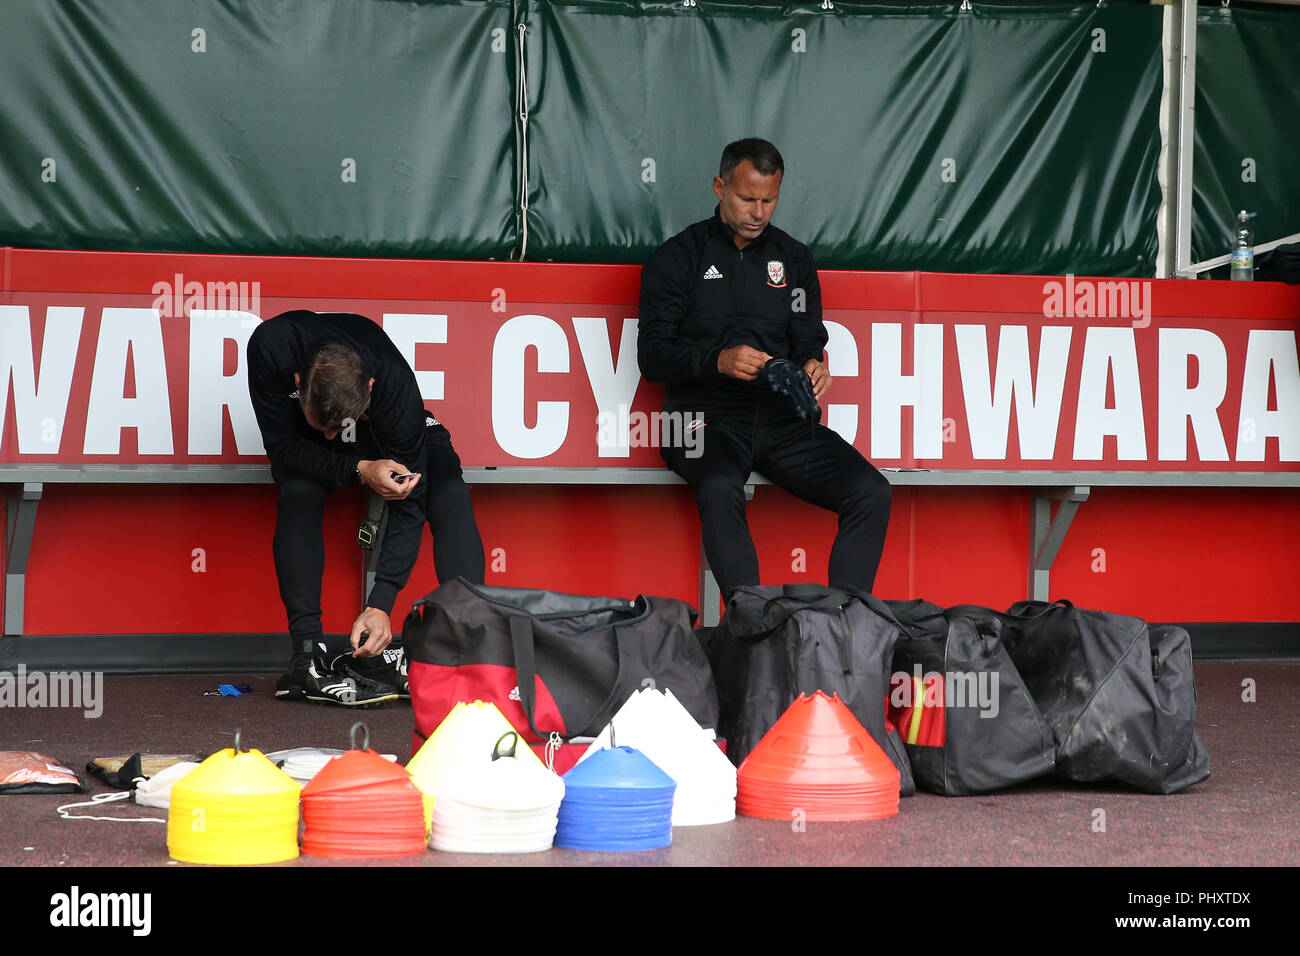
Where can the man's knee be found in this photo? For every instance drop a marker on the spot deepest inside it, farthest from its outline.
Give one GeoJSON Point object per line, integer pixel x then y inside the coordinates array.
{"type": "Point", "coordinates": [719, 493]}
{"type": "Point", "coordinates": [446, 497]}
{"type": "Point", "coordinates": [868, 490]}
{"type": "Point", "coordinates": [301, 494]}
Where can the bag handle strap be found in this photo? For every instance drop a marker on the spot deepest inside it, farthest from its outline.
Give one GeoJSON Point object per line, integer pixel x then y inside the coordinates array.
{"type": "Point", "coordinates": [877, 605]}
{"type": "Point", "coordinates": [821, 597]}
{"type": "Point", "coordinates": [521, 637]}
{"type": "Point", "coordinates": [910, 611]}
{"type": "Point", "coordinates": [827, 601]}
{"type": "Point", "coordinates": [1019, 613]}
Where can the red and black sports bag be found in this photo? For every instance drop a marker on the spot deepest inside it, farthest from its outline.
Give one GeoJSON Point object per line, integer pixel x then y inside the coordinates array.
{"type": "Point", "coordinates": [555, 664]}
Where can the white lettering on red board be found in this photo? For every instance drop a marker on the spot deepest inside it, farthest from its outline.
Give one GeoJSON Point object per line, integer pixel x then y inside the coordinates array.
{"type": "Point", "coordinates": [212, 391]}
{"type": "Point", "coordinates": [1180, 402]}
{"type": "Point", "coordinates": [988, 402]}
{"type": "Point", "coordinates": [35, 404]}
{"type": "Point", "coordinates": [998, 373]}
{"type": "Point", "coordinates": [613, 386]}
{"type": "Point", "coordinates": [1110, 353]}
{"type": "Point", "coordinates": [1270, 351]}
{"type": "Point", "coordinates": [841, 362]}
{"type": "Point", "coordinates": [509, 409]}
{"type": "Point", "coordinates": [409, 329]}
{"type": "Point", "coordinates": [891, 390]}
{"type": "Point", "coordinates": [137, 332]}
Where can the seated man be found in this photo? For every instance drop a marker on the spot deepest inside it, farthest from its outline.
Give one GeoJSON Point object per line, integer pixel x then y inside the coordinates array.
{"type": "Point", "coordinates": [719, 301]}
{"type": "Point", "coordinates": [338, 405]}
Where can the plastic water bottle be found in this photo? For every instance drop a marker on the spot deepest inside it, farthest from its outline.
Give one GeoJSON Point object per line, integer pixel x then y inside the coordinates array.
{"type": "Point", "coordinates": [1243, 253]}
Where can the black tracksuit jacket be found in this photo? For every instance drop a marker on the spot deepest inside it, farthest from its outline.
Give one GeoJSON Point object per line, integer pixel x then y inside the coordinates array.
{"type": "Point", "coordinates": [393, 427]}
{"type": "Point", "coordinates": [687, 319]}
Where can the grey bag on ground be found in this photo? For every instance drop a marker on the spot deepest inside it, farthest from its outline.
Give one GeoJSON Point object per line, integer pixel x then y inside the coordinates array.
{"type": "Point", "coordinates": [1119, 696]}
{"type": "Point", "coordinates": [986, 732]}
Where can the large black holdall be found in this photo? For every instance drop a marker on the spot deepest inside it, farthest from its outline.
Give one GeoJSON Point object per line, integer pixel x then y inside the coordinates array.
{"type": "Point", "coordinates": [1119, 696]}
{"type": "Point", "coordinates": [775, 643]}
{"type": "Point", "coordinates": [962, 709]}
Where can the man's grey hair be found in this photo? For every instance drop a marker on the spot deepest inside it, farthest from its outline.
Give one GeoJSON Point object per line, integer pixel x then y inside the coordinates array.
{"type": "Point", "coordinates": [765, 157]}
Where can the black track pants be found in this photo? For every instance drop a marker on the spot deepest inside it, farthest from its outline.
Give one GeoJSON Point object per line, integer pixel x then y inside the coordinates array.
{"type": "Point", "coordinates": [299, 541]}
{"type": "Point", "coordinates": [809, 461]}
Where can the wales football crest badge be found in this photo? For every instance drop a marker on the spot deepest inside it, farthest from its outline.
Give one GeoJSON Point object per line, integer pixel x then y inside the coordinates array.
{"type": "Point", "coordinates": [776, 273]}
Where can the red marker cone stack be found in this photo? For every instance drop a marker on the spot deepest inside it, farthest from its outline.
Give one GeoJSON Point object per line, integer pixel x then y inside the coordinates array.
{"type": "Point", "coordinates": [819, 761]}
{"type": "Point", "coordinates": [362, 807]}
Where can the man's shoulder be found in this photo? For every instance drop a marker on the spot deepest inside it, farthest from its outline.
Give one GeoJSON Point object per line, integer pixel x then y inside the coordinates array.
{"type": "Point", "coordinates": [315, 321]}
{"type": "Point", "coordinates": [301, 329]}
{"type": "Point", "coordinates": [685, 243]}
{"type": "Point", "coordinates": [781, 240]}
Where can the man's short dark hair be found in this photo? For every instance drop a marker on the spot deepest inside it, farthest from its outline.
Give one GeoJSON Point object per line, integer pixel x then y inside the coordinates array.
{"type": "Point", "coordinates": [335, 384]}
{"type": "Point", "coordinates": [765, 157]}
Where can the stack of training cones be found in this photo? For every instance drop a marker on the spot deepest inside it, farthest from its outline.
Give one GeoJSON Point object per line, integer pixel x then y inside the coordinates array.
{"type": "Point", "coordinates": [303, 763]}
{"type": "Point", "coordinates": [820, 761]}
{"type": "Point", "coordinates": [616, 800]}
{"type": "Point", "coordinates": [655, 723]}
{"type": "Point", "coordinates": [508, 805]}
{"type": "Point", "coordinates": [464, 739]}
{"type": "Point", "coordinates": [362, 807]}
{"type": "Point", "coordinates": [235, 808]}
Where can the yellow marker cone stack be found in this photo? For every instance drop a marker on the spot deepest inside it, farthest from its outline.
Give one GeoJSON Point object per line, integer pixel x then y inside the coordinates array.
{"type": "Point", "coordinates": [236, 808]}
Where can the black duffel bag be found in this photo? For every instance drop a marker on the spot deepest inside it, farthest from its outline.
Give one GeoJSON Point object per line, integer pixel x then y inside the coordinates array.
{"type": "Point", "coordinates": [962, 709]}
{"type": "Point", "coordinates": [1282, 264]}
{"type": "Point", "coordinates": [555, 664]}
{"type": "Point", "coordinates": [775, 643]}
{"type": "Point", "coordinates": [1119, 696]}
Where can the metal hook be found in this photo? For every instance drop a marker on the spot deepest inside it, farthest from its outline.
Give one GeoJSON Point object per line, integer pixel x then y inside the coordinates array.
{"type": "Point", "coordinates": [514, 745]}
{"type": "Point", "coordinates": [365, 745]}
{"type": "Point", "coordinates": [612, 744]}
{"type": "Point", "coordinates": [236, 748]}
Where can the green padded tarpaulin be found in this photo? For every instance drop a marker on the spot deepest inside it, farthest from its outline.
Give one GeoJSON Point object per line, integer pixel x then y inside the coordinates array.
{"type": "Point", "coordinates": [1247, 126]}
{"type": "Point", "coordinates": [326, 127]}
{"type": "Point", "coordinates": [1009, 138]}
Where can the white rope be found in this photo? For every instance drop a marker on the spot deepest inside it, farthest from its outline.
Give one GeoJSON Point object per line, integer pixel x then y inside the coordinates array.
{"type": "Point", "coordinates": [102, 798]}
{"type": "Point", "coordinates": [521, 102]}
{"type": "Point", "coordinates": [553, 743]}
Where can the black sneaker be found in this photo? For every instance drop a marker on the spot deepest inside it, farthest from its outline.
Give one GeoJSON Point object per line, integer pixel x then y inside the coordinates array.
{"type": "Point", "coordinates": [340, 684]}
{"type": "Point", "coordinates": [388, 668]}
{"type": "Point", "coordinates": [290, 686]}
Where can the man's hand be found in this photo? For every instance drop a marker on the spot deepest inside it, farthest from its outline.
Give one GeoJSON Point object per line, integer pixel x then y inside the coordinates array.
{"type": "Point", "coordinates": [820, 375]}
{"type": "Point", "coordinates": [743, 362]}
{"type": "Point", "coordinates": [381, 632]}
{"type": "Point", "coordinates": [378, 476]}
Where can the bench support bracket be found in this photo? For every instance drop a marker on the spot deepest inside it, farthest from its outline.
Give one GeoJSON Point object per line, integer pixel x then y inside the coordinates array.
{"type": "Point", "coordinates": [1047, 531]}
{"type": "Point", "coordinates": [375, 511]}
{"type": "Point", "coordinates": [20, 521]}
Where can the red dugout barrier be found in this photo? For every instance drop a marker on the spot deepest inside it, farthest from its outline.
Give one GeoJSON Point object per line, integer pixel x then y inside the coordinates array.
{"type": "Point", "coordinates": [520, 360]}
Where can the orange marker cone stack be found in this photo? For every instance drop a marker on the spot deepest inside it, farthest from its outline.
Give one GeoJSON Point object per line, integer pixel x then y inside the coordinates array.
{"type": "Point", "coordinates": [820, 761]}
{"type": "Point", "coordinates": [362, 807]}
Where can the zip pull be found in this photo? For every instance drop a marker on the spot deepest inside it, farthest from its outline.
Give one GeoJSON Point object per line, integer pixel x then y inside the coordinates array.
{"type": "Point", "coordinates": [553, 743]}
